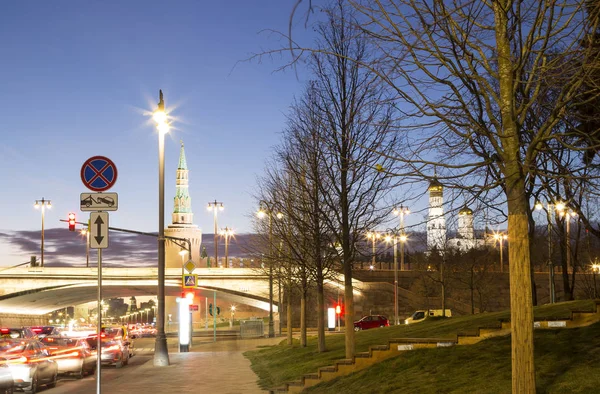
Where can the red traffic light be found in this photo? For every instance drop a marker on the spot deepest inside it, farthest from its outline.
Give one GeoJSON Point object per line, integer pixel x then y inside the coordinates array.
{"type": "Point", "coordinates": [189, 295]}
{"type": "Point", "coordinates": [338, 309]}
{"type": "Point", "coordinates": [71, 217]}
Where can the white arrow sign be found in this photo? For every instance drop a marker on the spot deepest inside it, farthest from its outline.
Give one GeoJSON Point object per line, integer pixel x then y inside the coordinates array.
{"type": "Point", "coordinates": [99, 230]}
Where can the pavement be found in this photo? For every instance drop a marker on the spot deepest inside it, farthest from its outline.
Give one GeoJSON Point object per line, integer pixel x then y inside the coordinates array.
{"type": "Point", "coordinates": [211, 367]}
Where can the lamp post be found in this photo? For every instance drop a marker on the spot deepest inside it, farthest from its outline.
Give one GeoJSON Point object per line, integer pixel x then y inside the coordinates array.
{"type": "Point", "coordinates": [550, 218]}
{"type": "Point", "coordinates": [395, 238]}
{"type": "Point", "coordinates": [215, 206]}
{"type": "Point", "coordinates": [567, 214]}
{"type": "Point", "coordinates": [500, 238]}
{"type": "Point", "coordinates": [373, 235]}
{"type": "Point", "coordinates": [261, 214]}
{"type": "Point", "coordinates": [161, 352]}
{"type": "Point", "coordinates": [43, 204]}
{"type": "Point", "coordinates": [401, 212]}
{"type": "Point", "coordinates": [227, 233]}
{"type": "Point", "coordinates": [595, 270]}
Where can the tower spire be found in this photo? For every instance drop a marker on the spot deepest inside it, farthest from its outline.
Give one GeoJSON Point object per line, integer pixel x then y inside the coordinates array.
{"type": "Point", "coordinates": [182, 204]}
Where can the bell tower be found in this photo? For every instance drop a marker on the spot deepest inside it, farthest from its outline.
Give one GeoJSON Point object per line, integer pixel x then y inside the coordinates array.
{"type": "Point", "coordinates": [182, 225]}
{"type": "Point", "coordinates": [436, 222]}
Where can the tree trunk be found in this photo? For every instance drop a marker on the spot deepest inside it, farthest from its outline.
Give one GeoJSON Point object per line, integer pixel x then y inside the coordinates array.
{"type": "Point", "coordinates": [521, 307]}
{"type": "Point", "coordinates": [288, 308]}
{"type": "Point", "coordinates": [303, 319]}
{"type": "Point", "coordinates": [320, 314]}
{"type": "Point", "coordinates": [472, 286]}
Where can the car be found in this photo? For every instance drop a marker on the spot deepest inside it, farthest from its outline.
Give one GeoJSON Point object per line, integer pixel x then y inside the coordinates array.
{"type": "Point", "coordinates": [43, 331]}
{"type": "Point", "coordinates": [22, 332]}
{"type": "Point", "coordinates": [421, 315]}
{"type": "Point", "coordinates": [119, 332]}
{"type": "Point", "coordinates": [148, 331]}
{"type": "Point", "coordinates": [114, 351]}
{"type": "Point", "coordinates": [106, 200]}
{"type": "Point", "coordinates": [7, 384]}
{"type": "Point", "coordinates": [72, 355]}
{"type": "Point", "coordinates": [29, 363]}
{"type": "Point", "coordinates": [371, 321]}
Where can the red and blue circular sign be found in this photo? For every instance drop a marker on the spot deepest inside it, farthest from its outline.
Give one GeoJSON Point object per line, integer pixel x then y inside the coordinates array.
{"type": "Point", "coordinates": [99, 173]}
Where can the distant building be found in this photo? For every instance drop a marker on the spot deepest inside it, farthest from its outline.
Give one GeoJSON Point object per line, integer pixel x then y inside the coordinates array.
{"type": "Point", "coordinates": [436, 224]}
{"type": "Point", "coordinates": [183, 221]}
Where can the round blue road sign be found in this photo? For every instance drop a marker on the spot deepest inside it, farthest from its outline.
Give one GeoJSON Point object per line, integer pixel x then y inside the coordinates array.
{"type": "Point", "coordinates": [99, 173]}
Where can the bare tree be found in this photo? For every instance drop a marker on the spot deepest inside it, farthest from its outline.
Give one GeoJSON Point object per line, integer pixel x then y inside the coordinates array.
{"type": "Point", "coordinates": [467, 75]}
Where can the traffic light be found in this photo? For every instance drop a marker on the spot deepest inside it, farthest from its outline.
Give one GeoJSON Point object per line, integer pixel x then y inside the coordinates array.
{"type": "Point", "coordinates": [210, 309]}
{"type": "Point", "coordinates": [338, 309]}
{"type": "Point", "coordinates": [71, 221]}
{"type": "Point", "coordinates": [189, 295]}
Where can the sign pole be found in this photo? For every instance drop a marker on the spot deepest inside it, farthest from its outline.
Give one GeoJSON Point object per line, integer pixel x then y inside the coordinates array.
{"type": "Point", "coordinates": [99, 326]}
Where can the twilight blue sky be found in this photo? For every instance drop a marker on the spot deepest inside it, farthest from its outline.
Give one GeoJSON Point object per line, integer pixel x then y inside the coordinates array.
{"type": "Point", "coordinates": [77, 78]}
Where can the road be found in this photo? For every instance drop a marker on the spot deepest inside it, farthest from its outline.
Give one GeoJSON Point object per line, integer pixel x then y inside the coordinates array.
{"type": "Point", "coordinates": [208, 365]}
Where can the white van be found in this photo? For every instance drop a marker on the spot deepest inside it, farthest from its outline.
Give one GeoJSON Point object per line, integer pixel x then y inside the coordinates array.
{"type": "Point", "coordinates": [421, 315]}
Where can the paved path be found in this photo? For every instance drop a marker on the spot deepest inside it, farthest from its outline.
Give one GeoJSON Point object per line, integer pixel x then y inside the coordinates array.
{"type": "Point", "coordinates": [210, 367]}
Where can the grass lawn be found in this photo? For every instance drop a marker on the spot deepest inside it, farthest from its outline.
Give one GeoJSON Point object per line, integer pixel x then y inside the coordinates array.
{"type": "Point", "coordinates": [565, 359]}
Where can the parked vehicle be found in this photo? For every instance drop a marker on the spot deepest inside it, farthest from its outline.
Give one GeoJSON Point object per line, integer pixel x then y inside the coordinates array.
{"type": "Point", "coordinates": [371, 321]}
{"type": "Point", "coordinates": [72, 355]}
{"type": "Point", "coordinates": [29, 363]}
{"type": "Point", "coordinates": [22, 332]}
{"type": "Point", "coordinates": [7, 384]}
{"type": "Point", "coordinates": [421, 315]}
{"type": "Point", "coordinates": [114, 351]}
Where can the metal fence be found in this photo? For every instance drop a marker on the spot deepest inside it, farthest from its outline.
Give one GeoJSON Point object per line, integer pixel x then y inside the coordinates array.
{"type": "Point", "coordinates": [251, 328]}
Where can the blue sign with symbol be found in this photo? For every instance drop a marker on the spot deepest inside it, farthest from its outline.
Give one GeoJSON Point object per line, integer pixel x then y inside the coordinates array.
{"type": "Point", "coordinates": [99, 173]}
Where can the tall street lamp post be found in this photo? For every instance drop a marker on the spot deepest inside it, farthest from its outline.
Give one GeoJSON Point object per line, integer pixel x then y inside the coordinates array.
{"type": "Point", "coordinates": [227, 233]}
{"type": "Point", "coordinates": [500, 238]}
{"type": "Point", "coordinates": [43, 204]}
{"type": "Point", "coordinates": [268, 212]}
{"type": "Point", "coordinates": [374, 236]}
{"type": "Point", "coordinates": [401, 212]}
{"type": "Point", "coordinates": [395, 238]}
{"type": "Point", "coordinates": [161, 352]}
{"type": "Point", "coordinates": [595, 270]}
{"type": "Point", "coordinates": [550, 208]}
{"type": "Point", "coordinates": [216, 206]}
{"type": "Point", "coordinates": [567, 214]}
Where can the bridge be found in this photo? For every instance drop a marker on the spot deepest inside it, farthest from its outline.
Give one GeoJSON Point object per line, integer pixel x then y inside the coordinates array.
{"type": "Point", "coordinates": [37, 291]}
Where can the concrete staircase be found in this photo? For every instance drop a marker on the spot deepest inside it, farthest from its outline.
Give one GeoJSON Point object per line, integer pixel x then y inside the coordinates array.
{"type": "Point", "coordinates": [397, 346]}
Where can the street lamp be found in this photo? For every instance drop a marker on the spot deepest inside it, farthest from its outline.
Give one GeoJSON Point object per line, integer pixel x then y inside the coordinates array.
{"type": "Point", "coordinates": [395, 238]}
{"type": "Point", "coordinates": [500, 238]}
{"type": "Point", "coordinates": [373, 235]}
{"type": "Point", "coordinates": [215, 206]}
{"type": "Point", "coordinates": [42, 203]}
{"type": "Point", "coordinates": [550, 218]}
{"type": "Point", "coordinates": [227, 233]}
{"type": "Point", "coordinates": [567, 214]}
{"type": "Point", "coordinates": [161, 352]}
{"type": "Point", "coordinates": [262, 213]}
{"type": "Point", "coordinates": [595, 270]}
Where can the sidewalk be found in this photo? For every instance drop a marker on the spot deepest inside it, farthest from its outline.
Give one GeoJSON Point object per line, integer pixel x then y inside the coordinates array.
{"type": "Point", "coordinates": [212, 367]}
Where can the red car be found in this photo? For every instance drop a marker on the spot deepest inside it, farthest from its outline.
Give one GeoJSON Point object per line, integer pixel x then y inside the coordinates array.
{"type": "Point", "coordinates": [371, 321]}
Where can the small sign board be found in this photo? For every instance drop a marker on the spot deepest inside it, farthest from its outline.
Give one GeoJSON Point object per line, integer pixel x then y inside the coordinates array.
{"type": "Point", "coordinates": [189, 281]}
{"type": "Point", "coordinates": [91, 202]}
{"type": "Point", "coordinates": [99, 173]}
{"type": "Point", "coordinates": [193, 308]}
{"type": "Point", "coordinates": [189, 266]}
{"type": "Point", "coordinates": [99, 230]}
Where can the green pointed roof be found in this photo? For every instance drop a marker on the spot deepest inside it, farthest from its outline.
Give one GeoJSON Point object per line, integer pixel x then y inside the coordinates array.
{"type": "Point", "coordinates": [182, 162]}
